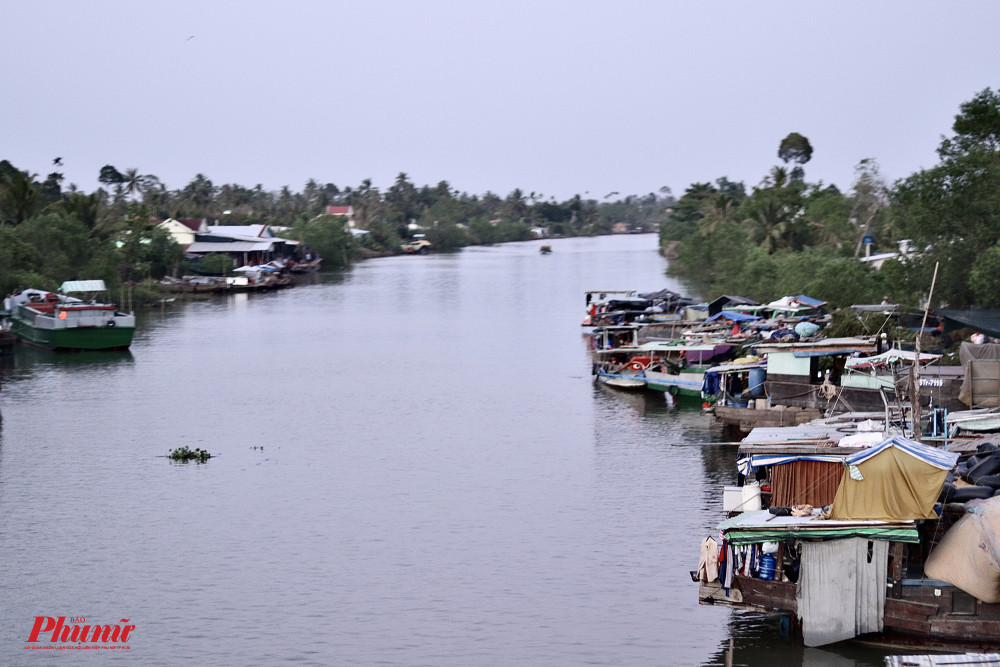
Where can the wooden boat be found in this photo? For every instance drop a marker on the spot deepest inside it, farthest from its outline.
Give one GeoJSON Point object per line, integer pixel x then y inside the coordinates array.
{"type": "Point", "coordinates": [628, 376]}
{"type": "Point", "coordinates": [866, 545]}
{"type": "Point", "coordinates": [790, 377]}
{"type": "Point", "coordinates": [678, 367]}
{"type": "Point", "coordinates": [194, 284]}
{"type": "Point", "coordinates": [61, 322]}
{"type": "Point", "coordinates": [306, 266]}
{"type": "Point", "coordinates": [545, 250]}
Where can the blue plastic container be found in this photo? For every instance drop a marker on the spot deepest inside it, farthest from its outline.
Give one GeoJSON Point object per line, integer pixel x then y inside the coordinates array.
{"type": "Point", "coordinates": [766, 569]}
{"type": "Point", "coordinates": [755, 382]}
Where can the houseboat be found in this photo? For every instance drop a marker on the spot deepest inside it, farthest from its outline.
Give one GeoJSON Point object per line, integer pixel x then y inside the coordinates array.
{"type": "Point", "coordinates": [853, 541]}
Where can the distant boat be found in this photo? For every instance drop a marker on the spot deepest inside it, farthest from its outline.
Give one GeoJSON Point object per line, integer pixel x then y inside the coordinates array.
{"type": "Point", "coordinates": [306, 266]}
{"type": "Point", "coordinates": [545, 249]}
{"type": "Point", "coordinates": [61, 322]}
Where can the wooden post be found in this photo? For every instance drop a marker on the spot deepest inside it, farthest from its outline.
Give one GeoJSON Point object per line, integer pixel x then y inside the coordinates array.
{"type": "Point", "coordinates": [897, 570]}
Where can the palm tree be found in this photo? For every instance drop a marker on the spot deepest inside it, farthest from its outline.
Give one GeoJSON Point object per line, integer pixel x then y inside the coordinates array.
{"type": "Point", "coordinates": [715, 210]}
{"type": "Point", "coordinates": [134, 183]}
{"type": "Point", "coordinates": [19, 196]}
{"type": "Point", "coordinates": [777, 178]}
{"type": "Point", "coordinates": [768, 225]}
{"type": "Point", "coordinates": [83, 207]}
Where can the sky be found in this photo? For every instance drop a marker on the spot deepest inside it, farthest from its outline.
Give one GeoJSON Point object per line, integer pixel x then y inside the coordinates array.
{"type": "Point", "coordinates": [556, 97]}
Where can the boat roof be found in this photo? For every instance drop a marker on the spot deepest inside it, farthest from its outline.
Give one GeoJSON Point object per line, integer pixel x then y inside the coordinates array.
{"type": "Point", "coordinates": [737, 368]}
{"type": "Point", "coordinates": [821, 347]}
{"type": "Point", "coordinates": [890, 356]}
{"type": "Point", "coordinates": [82, 286]}
{"type": "Point", "coordinates": [232, 246]}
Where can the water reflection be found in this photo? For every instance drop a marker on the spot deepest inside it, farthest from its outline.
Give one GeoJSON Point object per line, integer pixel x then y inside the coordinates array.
{"type": "Point", "coordinates": [441, 482]}
{"type": "Point", "coordinates": [764, 639]}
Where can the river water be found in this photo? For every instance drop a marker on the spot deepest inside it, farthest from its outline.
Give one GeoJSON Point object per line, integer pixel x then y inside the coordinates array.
{"type": "Point", "coordinates": [411, 465]}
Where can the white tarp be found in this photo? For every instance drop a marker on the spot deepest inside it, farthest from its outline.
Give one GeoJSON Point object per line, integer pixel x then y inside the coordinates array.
{"type": "Point", "coordinates": [82, 286]}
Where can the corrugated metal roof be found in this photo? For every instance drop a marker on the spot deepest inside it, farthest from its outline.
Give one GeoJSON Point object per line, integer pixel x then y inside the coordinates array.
{"type": "Point", "coordinates": [232, 246]}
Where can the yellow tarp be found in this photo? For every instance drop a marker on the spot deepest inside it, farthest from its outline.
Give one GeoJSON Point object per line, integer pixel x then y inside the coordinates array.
{"type": "Point", "coordinates": [896, 487]}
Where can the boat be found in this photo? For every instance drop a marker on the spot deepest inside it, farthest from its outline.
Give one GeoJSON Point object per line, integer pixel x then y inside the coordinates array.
{"type": "Point", "coordinates": [628, 375]}
{"type": "Point", "coordinates": [796, 381]}
{"type": "Point", "coordinates": [308, 265]}
{"type": "Point", "coordinates": [416, 247]}
{"type": "Point", "coordinates": [611, 307]}
{"type": "Point", "coordinates": [194, 284]}
{"type": "Point", "coordinates": [545, 250]}
{"type": "Point", "coordinates": [58, 321]}
{"type": "Point", "coordinates": [852, 540]}
{"type": "Point", "coordinates": [676, 367]}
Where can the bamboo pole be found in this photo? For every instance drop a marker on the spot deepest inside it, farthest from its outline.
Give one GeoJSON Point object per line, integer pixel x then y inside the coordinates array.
{"type": "Point", "coordinates": [915, 369]}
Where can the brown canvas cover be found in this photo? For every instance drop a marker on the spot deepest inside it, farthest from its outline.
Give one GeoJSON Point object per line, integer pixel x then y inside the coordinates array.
{"type": "Point", "coordinates": [896, 486]}
{"type": "Point", "coordinates": [968, 555]}
{"type": "Point", "coordinates": [981, 384]}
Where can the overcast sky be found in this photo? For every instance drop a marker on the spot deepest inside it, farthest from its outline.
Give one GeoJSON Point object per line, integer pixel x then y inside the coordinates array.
{"type": "Point", "coordinates": [560, 97]}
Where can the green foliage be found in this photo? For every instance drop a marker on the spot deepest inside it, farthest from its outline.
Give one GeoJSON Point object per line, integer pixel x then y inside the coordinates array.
{"type": "Point", "coordinates": [184, 455]}
{"type": "Point", "coordinates": [327, 235]}
{"type": "Point", "coordinates": [20, 196]}
{"type": "Point", "coordinates": [217, 263]}
{"type": "Point", "coordinates": [62, 244]}
{"type": "Point", "coordinates": [951, 212]}
{"type": "Point", "coordinates": [447, 236]}
{"type": "Point", "coordinates": [381, 237]}
{"type": "Point", "coordinates": [984, 278]}
{"type": "Point", "coordinates": [795, 148]}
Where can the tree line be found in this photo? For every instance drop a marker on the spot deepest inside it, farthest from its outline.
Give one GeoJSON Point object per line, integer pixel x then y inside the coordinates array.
{"type": "Point", "coordinates": [50, 233]}
{"type": "Point", "coordinates": [784, 235]}
{"type": "Point", "coordinates": [787, 236]}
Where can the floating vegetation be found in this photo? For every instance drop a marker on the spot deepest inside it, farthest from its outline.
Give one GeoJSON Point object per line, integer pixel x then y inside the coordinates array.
{"type": "Point", "coordinates": [185, 454]}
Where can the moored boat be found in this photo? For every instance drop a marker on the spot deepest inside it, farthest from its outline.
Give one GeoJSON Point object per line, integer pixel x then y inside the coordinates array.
{"type": "Point", "coordinates": [58, 321]}
{"type": "Point", "coordinates": [857, 541]}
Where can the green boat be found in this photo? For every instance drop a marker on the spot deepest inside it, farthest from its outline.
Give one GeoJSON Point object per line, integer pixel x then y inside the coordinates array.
{"type": "Point", "coordinates": [59, 322]}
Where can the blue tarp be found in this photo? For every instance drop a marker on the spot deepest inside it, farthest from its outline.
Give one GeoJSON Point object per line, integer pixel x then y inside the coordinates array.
{"type": "Point", "coordinates": [809, 301]}
{"type": "Point", "coordinates": [930, 455]}
{"type": "Point", "coordinates": [734, 316]}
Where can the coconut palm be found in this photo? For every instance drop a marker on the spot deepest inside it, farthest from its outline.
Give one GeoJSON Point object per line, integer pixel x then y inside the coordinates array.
{"type": "Point", "coordinates": [20, 196]}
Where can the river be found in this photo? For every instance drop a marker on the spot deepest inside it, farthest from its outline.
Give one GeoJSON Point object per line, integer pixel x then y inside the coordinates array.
{"type": "Point", "coordinates": [411, 466]}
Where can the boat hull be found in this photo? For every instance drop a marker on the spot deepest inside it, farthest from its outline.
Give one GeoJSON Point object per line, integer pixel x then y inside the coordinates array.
{"type": "Point", "coordinates": [687, 383]}
{"type": "Point", "coordinates": [76, 338]}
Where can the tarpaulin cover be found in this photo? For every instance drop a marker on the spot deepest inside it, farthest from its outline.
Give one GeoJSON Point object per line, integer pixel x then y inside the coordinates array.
{"type": "Point", "coordinates": [900, 479]}
{"type": "Point", "coordinates": [841, 591]}
{"type": "Point", "coordinates": [890, 357]}
{"type": "Point", "coordinates": [986, 321]}
{"type": "Point", "coordinates": [755, 526]}
{"type": "Point", "coordinates": [968, 555]}
{"type": "Point", "coordinates": [726, 300]}
{"type": "Point", "coordinates": [805, 483]}
{"type": "Point", "coordinates": [971, 352]}
{"type": "Point", "coordinates": [809, 301]}
{"type": "Point", "coordinates": [734, 316]}
{"type": "Point", "coordinates": [82, 286]}
{"type": "Point", "coordinates": [981, 384]}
